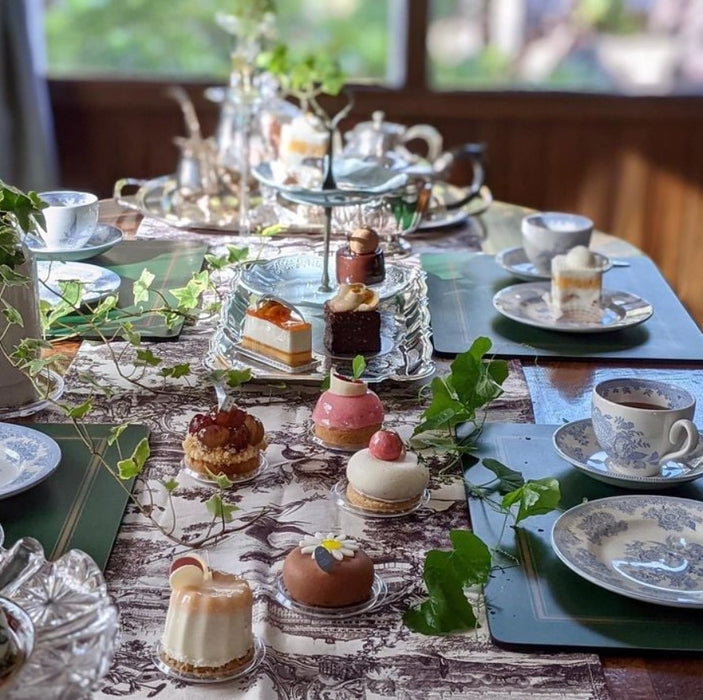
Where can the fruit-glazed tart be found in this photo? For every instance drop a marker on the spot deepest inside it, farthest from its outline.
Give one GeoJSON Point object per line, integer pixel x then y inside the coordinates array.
{"type": "Point", "coordinates": [224, 441]}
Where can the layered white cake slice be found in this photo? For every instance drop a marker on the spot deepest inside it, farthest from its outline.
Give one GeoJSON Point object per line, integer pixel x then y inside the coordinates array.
{"type": "Point", "coordinates": [275, 330]}
{"type": "Point", "coordinates": [576, 285]}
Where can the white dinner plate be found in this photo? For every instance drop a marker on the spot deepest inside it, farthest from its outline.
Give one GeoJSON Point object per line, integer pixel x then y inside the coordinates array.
{"type": "Point", "coordinates": [99, 282]}
{"type": "Point", "coordinates": [102, 240]}
{"type": "Point", "coordinates": [646, 547]}
{"type": "Point", "coordinates": [296, 279]}
{"type": "Point", "coordinates": [26, 458]}
{"type": "Point", "coordinates": [576, 443]}
{"type": "Point", "coordinates": [528, 303]}
{"type": "Point", "coordinates": [514, 261]}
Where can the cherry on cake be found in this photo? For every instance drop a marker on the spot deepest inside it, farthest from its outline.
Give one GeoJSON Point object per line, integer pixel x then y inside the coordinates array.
{"type": "Point", "coordinates": [352, 321]}
{"type": "Point", "coordinates": [385, 477]}
{"type": "Point", "coordinates": [361, 260]}
{"type": "Point", "coordinates": [576, 285]}
{"type": "Point", "coordinates": [328, 571]}
{"type": "Point", "coordinates": [225, 441]}
{"type": "Point", "coordinates": [208, 623]}
{"type": "Point", "coordinates": [279, 332]}
{"type": "Point", "coordinates": [347, 414]}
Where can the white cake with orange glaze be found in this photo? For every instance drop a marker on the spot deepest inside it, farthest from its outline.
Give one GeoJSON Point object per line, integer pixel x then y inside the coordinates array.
{"type": "Point", "coordinates": [208, 623]}
{"type": "Point", "coordinates": [275, 330]}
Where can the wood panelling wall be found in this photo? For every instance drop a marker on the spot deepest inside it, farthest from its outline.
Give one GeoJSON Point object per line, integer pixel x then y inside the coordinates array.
{"type": "Point", "coordinates": [634, 165]}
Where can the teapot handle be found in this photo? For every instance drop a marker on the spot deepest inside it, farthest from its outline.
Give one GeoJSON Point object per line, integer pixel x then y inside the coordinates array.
{"type": "Point", "coordinates": [466, 151]}
{"type": "Point", "coordinates": [429, 135]}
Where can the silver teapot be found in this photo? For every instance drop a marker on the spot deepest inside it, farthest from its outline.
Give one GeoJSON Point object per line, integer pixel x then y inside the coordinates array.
{"type": "Point", "coordinates": [379, 138]}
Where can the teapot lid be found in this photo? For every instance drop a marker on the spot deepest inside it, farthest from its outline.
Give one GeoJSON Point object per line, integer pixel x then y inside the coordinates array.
{"type": "Point", "coordinates": [379, 125]}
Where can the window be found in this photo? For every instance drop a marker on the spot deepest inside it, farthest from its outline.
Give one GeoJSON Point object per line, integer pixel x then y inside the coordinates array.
{"type": "Point", "coordinates": [179, 38]}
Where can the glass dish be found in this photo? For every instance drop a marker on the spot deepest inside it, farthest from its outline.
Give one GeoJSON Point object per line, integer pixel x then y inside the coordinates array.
{"type": "Point", "coordinates": [204, 479]}
{"type": "Point", "coordinates": [379, 590]}
{"type": "Point", "coordinates": [247, 668]}
{"type": "Point", "coordinates": [339, 494]}
{"type": "Point", "coordinates": [405, 319]}
{"type": "Point", "coordinates": [21, 631]}
{"type": "Point", "coordinates": [75, 621]}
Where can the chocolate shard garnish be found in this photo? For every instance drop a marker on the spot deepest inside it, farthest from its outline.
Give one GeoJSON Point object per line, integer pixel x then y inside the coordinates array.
{"type": "Point", "coordinates": [323, 559]}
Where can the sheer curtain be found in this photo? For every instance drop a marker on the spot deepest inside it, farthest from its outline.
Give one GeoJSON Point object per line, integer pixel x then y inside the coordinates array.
{"type": "Point", "coordinates": [27, 144]}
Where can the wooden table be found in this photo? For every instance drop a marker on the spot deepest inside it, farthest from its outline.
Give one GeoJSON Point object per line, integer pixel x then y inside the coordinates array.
{"type": "Point", "coordinates": [561, 390]}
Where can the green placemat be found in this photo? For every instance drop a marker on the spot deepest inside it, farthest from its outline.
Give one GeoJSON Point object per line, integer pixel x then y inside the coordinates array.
{"type": "Point", "coordinates": [172, 262]}
{"type": "Point", "coordinates": [80, 505]}
{"type": "Point", "coordinates": [539, 601]}
{"type": "Point", "coordinates": [461, 287]}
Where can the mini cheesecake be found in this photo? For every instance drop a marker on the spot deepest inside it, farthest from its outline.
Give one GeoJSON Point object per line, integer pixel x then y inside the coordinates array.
{"type": "Point", "coordinates": [271, 329]}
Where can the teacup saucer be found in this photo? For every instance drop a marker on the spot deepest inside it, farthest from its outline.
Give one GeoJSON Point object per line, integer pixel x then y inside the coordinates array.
{"type": "Point", "coordinates": [104, 237]}
{"type": "Point", "coordinates": [576, 443]}
{"type": "Point", "coordinates": [515, 261]}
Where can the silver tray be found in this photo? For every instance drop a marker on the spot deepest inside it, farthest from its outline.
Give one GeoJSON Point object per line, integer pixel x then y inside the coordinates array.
{"type": "Point", "coordinates": [405, 336]}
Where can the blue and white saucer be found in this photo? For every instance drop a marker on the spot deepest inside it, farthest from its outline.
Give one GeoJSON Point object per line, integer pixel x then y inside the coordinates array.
{"type": "Point", "coordinates": [104, 237]}
{"type": "Point", "coordinates": [98, 282]}
{"type": "Point", "coordinates": [576, 443]}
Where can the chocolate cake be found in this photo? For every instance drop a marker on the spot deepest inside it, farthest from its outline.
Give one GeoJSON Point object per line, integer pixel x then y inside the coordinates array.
{"type": "Point", "coordinates": [352, 321]}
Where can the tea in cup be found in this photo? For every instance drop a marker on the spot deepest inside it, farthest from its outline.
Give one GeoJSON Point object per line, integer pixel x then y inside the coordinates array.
{"type": "Point", "coordinates": [548, 234]}
{"type": "Point", "coordinates": [71, 219]}
{"type": "Point", "coordinates": [641, 424]}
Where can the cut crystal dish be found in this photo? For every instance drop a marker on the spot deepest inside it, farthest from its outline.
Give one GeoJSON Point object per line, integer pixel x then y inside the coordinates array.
{"type": "Point", "coordinates": [75, 621]}
{"type": "Point", "coordinates": [405, 325]}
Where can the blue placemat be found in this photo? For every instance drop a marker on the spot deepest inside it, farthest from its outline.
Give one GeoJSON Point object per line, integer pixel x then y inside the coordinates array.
{"type": "Point", "coordinates": [461, 287]}
{"type": "Point", "coordinates": [536, 600]}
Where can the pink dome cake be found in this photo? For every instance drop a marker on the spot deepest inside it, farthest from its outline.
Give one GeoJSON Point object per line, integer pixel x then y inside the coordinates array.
{"type": "Point", "coordinates": [208, 623]}
{"type": "Point", "coordinates": [347, 414]}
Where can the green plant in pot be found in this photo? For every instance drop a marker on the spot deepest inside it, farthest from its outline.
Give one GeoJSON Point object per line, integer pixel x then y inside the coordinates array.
{"type": "Point", "coordinates": [19, 298]}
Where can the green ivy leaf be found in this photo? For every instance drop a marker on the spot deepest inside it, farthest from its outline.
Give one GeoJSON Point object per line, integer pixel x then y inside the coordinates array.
{"type": "Point", "coordinates": [147, 357]}
{"type": "Point", "coordinates": [127, 469]}
{"type": "Point", "coordinates": [236, 377]}
{"type": "Point", "coordinates": [176, 371]}
{"type": "Point", "coordinates": [508, 479]}
{"type": "Point", "coordinates": [535, 497]}
{"type": "Point", "coordinates": [80, 411]}
{"type": "Point", "coordinates": [115, 433]}
{"type": "Point", "coordinates": [170, 485]}
{"type": "Point", "coordinates": [358, 366]}
{"type": "Point", "coordinates": [141, 286]}
{"type": "Point", "coordinates": [219, 509]}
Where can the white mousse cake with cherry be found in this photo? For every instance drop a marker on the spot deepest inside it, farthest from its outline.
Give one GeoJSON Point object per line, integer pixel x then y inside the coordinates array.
{"type": "Point", "coordinates": [385, 477]}
{"type": "Point", "coordinates": [278, 332]}
{"type": "Point", "coordinates": [208, 623]}
{"type": "Point", "coordinates": [577, 279]}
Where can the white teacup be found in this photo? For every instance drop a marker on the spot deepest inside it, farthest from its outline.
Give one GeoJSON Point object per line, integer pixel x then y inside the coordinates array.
{"type": "Point", "coordinates": [547, 234]}
{"type": "Point", "coordinates": [641, 424]}
{"type": "Point", "coordinates": [71, 218]}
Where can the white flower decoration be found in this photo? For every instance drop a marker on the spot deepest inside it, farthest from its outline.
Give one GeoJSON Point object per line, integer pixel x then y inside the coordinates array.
{"type": "Point", "coordinates": [339, 546]}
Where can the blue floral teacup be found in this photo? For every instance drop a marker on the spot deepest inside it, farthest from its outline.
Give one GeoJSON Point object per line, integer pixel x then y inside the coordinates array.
{"type": "Point", "coordinates": [641, 424]}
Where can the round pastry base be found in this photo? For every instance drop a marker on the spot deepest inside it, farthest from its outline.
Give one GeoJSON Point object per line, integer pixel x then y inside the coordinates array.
{"type": "Point", "coordinates": [243, 670]}
{"type": "Point", "coordinates": [333, 448]}
{"type": "Point", "coordinates": [52, 387]}
{"type": "Point", "coordinates": [339, 494]}
{"type": "Point", "coordinates": [379, 590]}
{"type": "Point", "coordinates": [235, 478]}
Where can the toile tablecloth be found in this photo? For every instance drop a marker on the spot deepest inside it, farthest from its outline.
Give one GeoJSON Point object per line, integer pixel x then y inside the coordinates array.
{"type": "Point", "coordinates": [369, 656]}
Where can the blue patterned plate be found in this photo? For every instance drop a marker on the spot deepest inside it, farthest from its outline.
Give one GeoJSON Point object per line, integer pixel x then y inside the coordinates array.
{"type": "Point", "coordinates": [103, 239]}
{"type": "Point", "coordinates": [98, 281]}
{"type": "Point", "coordinates": [646, 547]}
{"type": "Point", "coordinates": [26, 458]}
{"type": "Point", "coordinates": [576, 443]}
